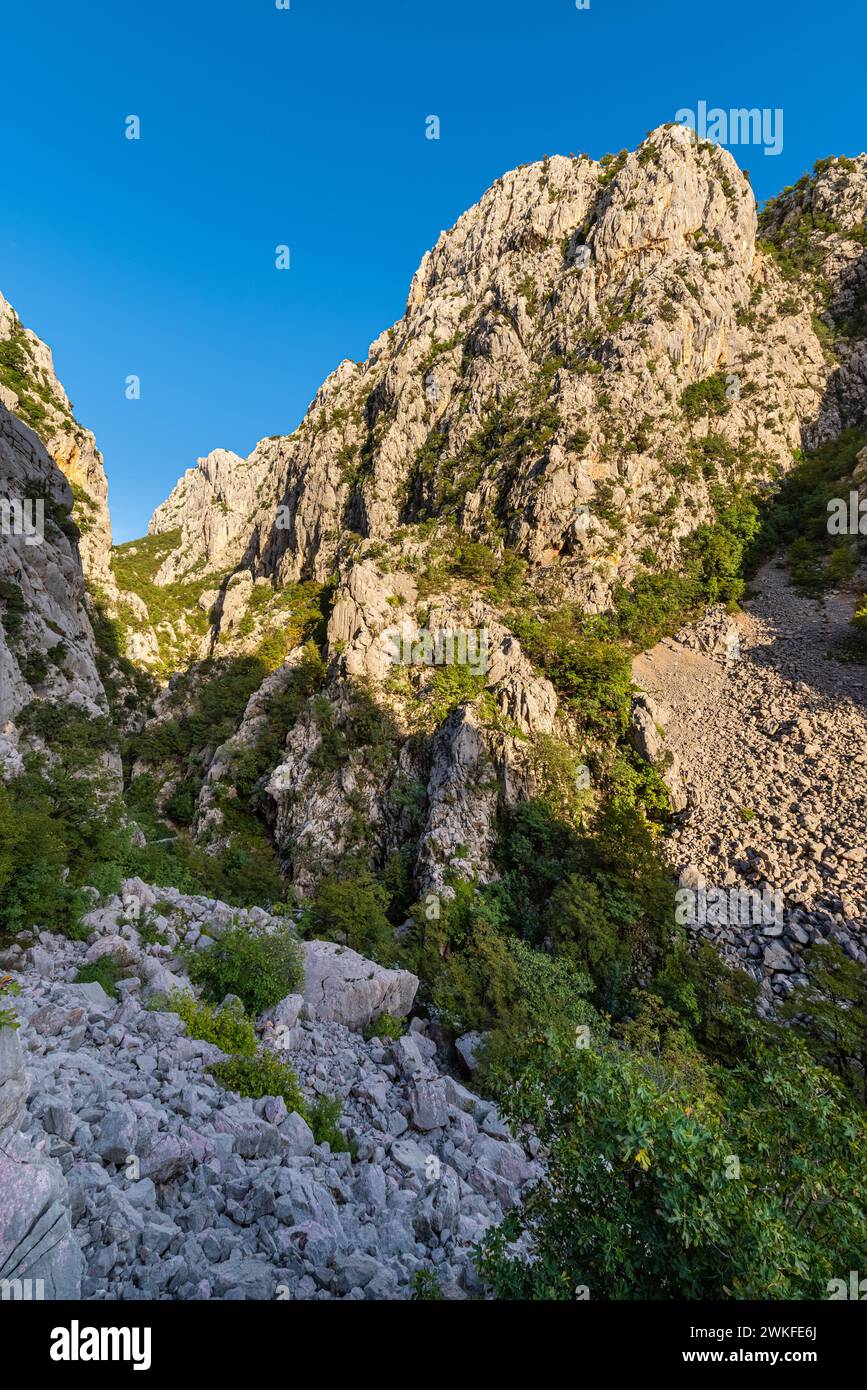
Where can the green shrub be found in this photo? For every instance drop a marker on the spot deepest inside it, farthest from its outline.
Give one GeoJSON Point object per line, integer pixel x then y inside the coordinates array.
{"type": "Point", "coordinates": [665, 1181]}
{"type": "Point", "coordinates": [385, 1026]}
{"type": "Point", "coordinates": [592, 675]}
{"type": "Point", "coordinates": [707, 397]}
{"type": "Point", "coordinates": [426, 1287]}
{"type": "Point", "coordinates": [322, 1117]}
{"type": "Point", "coordinates": [8, 989]}
{"type": "Point", "coordinates": [841, 564]}
{"type": "Point", "coordinates": [451, 686]}
{"type": "Point", "coordinates": [260, 967]}
{"type": "Point", "coordinates": [13, 608]}
{"type": "Point", "coordinates": [351, 908]}
{"type": "Point", "coordinates": [259, 1076]}
{"type": "Point", "coordinates": [830, 1011]}
{"type": "Point", "coordinates": [227, 1026]}
{"type": "Point", "coordinates": [805, 567]}
{"type": "Point", "coordinates": [613, 917]}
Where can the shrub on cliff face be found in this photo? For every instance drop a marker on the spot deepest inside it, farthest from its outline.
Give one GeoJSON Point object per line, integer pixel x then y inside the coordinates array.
{"type": "Point", "coordinates": [707, 397]}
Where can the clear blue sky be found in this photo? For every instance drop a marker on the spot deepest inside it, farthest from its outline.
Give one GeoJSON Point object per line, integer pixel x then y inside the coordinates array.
{"type": "Point", "coordinates": [306, 127]}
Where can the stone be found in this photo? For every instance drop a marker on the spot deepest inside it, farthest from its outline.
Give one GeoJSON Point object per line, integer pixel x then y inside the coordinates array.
{"type": "Point", "coordinates": [429, 1107]}
{"type": "Point", "coordinates": [467, 1046]}
{"type": "Point", "coordinates": [343, 987]}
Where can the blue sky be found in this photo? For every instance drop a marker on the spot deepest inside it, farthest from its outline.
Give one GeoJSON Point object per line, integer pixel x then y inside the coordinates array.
{"type": "Point", "coordinates": [306, 127]}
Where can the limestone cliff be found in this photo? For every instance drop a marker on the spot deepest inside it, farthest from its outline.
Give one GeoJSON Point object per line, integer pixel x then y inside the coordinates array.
{"type": "Point", "coordinates": [29, 388]}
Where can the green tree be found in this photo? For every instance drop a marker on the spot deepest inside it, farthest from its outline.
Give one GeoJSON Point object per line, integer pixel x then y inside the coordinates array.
{"type": "Point", "coordinates": [351, 908]}
{"type": "Point", "coordinates": [748, 1185]}
{"type": "Point", "coordinates": [831, 1013]}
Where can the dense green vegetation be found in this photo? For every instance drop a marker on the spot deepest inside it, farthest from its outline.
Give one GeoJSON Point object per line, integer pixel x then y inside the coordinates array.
{"type": "Point", "coordinates": [62, 813]}
{"type": "Point", "coordinates": [350, 908]}
{"type": "Point", "coordinates": [795, 517]}
{"type": "Point", "coordinates": [831, 1012]}
{"type": "Point", "coordinates": [225, 1025]}
{"type": "Point", "coordinates": [259, 967]}
{"type": "Point", "coordinates": [57, 815]}
{"type": "Point", "coordinates": [695, 1151]}
{"type": "Point", "coordinates": [210, 700]}
{"type": "Point", "coordinates": [671, 1176]}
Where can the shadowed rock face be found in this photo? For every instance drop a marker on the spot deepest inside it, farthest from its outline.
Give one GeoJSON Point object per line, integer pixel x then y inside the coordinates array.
{"type": "Point", "coordinates": [42, 609]}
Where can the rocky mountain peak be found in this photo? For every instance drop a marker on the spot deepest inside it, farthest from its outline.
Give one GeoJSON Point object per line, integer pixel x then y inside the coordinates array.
{"type": "Point", "coordinates": [533, 391]}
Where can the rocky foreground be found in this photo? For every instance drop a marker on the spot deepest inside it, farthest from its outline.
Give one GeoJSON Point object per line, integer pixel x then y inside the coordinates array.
{"type": "Point", "coordinates": [129, 1172]}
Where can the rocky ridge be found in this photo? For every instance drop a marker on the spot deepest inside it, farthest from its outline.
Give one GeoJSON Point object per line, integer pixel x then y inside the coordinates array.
{"type": "Point", "coordinates": [537, 393]}
{"type": "Point", "coordinates": [561, 318]}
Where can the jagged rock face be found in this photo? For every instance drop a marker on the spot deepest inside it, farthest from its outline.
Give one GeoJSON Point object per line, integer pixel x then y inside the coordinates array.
{"type": "Point", "coordinates": [560, 320]}
{"type": "Point", "coordinates": [819, 230]}
{"type": "Point", "coordinates": [464, 773]}
{"type": "Point", "coordinates": [647, 736]}
{"type": "Point", "coordinates": [211, 507]}
{"type": "Point", "coordinates": [30, 389]}
{"type": "Point", "coordinates": [317, 808]}
{"type": "Point", "coordinates": [462, 798]}
{"type": "Point", "coordinates": [546, 387]}
{"type": "Point", "coordinates": [209, 817]}
{"type": "Point", "coordinates": [46, 643]}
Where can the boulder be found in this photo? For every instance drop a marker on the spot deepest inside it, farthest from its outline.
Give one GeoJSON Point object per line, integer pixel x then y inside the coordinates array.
{"type": "Point", "coordinates": [340, 986]}
{"type": "Point", "coordinates": [36, 1240]}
